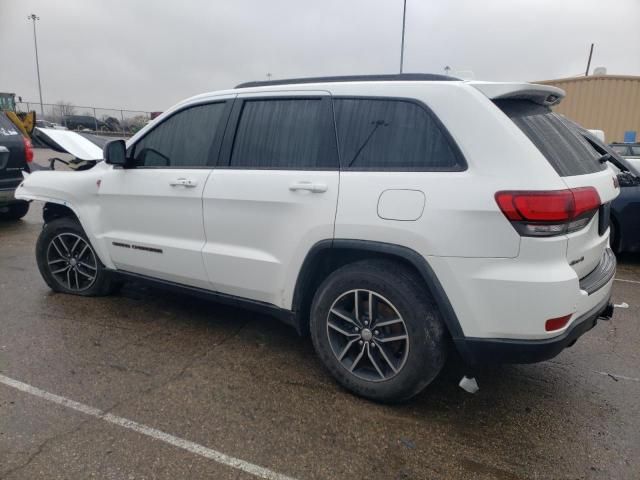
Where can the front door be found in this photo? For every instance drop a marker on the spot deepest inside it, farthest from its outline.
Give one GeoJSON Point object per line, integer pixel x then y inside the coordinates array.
{"type": "Point", "coordinates": [273, 197]}
{"type": "Point", "coordinates": [151, 213]}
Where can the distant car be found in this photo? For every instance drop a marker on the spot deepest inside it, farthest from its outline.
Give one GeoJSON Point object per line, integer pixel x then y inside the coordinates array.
{"type": "Point", "coordinates": [626, 149]}
{"type": "Point", "coordinates": [625, 209]}
{"type": "Point", "coordinates": [85, 122]}
{"type": "Point", "coordinates": [15, 154]}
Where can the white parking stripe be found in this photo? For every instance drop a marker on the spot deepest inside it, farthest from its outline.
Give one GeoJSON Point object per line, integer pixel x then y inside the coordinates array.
{"type": "Point", "coordinates": [148, 431]}
{"type": "Point", "coordinates": [625, 280]}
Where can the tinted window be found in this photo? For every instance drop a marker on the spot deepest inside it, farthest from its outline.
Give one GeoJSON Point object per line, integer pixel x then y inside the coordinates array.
{"type": "Point", "coordinates": [182, 140]}
{"type": "Point", "coordinates": [635, 151]}
{"type": "Point", "coordinates": [558, 139]}
{"type": "Point", "coordinates": [391, 135]}
{"type": "Point", "coordinates": [287, 133]}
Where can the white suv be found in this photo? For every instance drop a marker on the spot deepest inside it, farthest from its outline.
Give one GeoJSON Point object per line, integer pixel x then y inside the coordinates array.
{"type": "Point", "coordinates": [388, 216]}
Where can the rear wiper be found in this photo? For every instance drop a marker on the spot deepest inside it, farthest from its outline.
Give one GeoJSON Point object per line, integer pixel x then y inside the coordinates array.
{"type": "Point", "coordinates": [605, 158]}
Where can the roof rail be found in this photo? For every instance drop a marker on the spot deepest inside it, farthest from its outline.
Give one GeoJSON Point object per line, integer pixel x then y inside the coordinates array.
{"type": "Point", "coordinates": [398, 77]}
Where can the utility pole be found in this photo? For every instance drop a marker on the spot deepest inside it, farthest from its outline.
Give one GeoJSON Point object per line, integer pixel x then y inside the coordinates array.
{"type": "Point", "coordinates": [586, 73]}
{"type": "Point", "coordinates": [404, 18]}
{"type": "Point", "coordinates": [268, 77]}
{"type": "Point", "coordinates": [34, 17]}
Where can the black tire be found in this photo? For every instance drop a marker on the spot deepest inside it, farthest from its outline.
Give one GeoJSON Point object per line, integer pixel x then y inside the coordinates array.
{"type": "Point", "coordinates": [426, 346]}
{"type": "Point", "coordinates": [103, 282]}
{"type": "Point", "coordinates": [15, 211]}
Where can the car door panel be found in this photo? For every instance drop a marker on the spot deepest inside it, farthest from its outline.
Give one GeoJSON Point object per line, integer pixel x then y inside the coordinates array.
{"type": "Point", "coordinates": [261, 219]}
{"type": "Point", "coordinates": [152, 227]}
{"type": "Point", "coordinates": [152, 211]}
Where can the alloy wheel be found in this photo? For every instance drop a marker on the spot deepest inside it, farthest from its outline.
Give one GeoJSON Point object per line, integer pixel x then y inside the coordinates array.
{"type": "Point", "coordinates": [72, 262]}
{"type": "Point", "coordinates": [367, 334]}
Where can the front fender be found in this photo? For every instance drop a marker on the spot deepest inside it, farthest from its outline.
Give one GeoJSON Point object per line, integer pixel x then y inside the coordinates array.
{"type": "Point", "coordinates": [76, 190]}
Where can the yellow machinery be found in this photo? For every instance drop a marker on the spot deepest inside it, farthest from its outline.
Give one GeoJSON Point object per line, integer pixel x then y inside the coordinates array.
{"type": "Point", "coordinates": [24, 121]}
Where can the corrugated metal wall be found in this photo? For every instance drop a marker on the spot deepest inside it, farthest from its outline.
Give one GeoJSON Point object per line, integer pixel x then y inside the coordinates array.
{"type": "Point", "coordinates": [608, 102]}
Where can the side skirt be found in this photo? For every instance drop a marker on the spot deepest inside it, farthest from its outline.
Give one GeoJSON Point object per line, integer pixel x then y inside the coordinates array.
{"type": "Point", "coordinates": [281, 314]}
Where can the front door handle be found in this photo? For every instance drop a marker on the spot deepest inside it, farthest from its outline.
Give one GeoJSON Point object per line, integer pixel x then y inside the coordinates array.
{"type": "Point", "coordinates": [308, 186]}
{"type": "Point", "coordinates": [183, 182]}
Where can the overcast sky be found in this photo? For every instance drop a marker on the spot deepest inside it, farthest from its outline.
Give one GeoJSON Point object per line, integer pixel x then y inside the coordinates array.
{"type": "Point", "coordinates": [149, 54]}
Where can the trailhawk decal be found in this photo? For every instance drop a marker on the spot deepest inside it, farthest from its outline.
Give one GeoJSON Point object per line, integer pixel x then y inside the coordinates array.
{"type": "Point", "coordinates": [136, 247]}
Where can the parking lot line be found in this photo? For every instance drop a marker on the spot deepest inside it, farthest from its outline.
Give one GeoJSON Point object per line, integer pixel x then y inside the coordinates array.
{"type": "Point", "coordinates": [192, 447]}
{"type": "Point", "coordinates": [626, 281]}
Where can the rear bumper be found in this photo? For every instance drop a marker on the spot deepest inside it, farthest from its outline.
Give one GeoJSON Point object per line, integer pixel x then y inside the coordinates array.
{"type": "Point", "coordinates": [477, 351]}
{"type": "Point", "coordinates": [7, 196]}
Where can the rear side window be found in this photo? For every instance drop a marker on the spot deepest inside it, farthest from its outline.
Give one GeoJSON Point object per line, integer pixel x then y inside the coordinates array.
{"type": "Point", "coordinates": [285, 134]}
{"type": "Point", "coordinates": [392, 135]}
{"type": "Point", "coordinates": [182, 140]}
{"type": "Point", "coordinates": [561, 142]}
{"type": "Point", "coordinates": [635, 151]}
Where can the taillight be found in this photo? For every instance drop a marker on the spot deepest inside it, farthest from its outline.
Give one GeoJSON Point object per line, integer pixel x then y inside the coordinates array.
{"type": "Point", "coordinates": [28, 149]}
{"type": "Point", "coordinates": [548, 213]}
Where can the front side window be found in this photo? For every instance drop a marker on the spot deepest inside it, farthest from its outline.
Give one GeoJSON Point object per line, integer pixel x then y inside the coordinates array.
{"type": "Point", "coordinates": [284, 134]}
{"type": "Point", "coordinates": [391, 135]}
{"type": "Point", "coordinates": [182, 140]}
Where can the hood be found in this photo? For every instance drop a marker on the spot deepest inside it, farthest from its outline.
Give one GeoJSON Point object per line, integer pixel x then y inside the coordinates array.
{"type": "Point", "coordinates": [69, 142]}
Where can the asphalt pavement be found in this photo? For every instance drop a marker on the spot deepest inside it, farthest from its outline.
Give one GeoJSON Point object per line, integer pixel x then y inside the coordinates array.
{"type": "Point", "coordinates": [151, 385]}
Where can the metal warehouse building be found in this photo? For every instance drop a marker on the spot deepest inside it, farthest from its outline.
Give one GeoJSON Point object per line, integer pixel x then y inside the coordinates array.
{"type": "Point", "coordinates": [604, 102]}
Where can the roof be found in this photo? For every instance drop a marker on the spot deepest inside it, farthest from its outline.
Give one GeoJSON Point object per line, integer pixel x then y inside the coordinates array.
{"type": "Point", "coordinates": [398, 77]}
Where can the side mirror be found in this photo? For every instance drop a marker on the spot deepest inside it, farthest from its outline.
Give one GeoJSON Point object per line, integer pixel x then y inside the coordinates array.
{"type": "Point", "coordinates": [115, 152]}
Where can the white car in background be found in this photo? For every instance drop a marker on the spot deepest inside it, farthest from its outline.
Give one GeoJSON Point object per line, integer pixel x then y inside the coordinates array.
{"type": "Point", "coordinates": [386, 216]}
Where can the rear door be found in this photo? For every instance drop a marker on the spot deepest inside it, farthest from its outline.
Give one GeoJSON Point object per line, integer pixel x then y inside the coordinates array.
{"type": "Point", "coordinates": [273, 196]}
{"type": "Point", "coordinates": [13, 160]}
{"type": "Point", "coordinates": [151, 214]}
{"type": "Point", "coordinates": [577, 162]}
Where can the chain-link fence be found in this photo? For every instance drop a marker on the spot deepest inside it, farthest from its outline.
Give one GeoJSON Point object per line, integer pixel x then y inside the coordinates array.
{"type": "Point", "coordinates": [105, 121]}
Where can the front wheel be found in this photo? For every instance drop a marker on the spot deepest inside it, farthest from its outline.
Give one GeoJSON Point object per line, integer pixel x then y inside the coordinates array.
{"type": "Point", "coordinates": [378, 331]}
{"type": "Point", "coordinates": [68, 262]}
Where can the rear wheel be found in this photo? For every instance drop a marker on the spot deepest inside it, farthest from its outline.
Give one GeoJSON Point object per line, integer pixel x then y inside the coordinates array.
{"type": "Point", "coordinates": [68, 262]}
{"type": "Point", "coordinates": [377, 330]}
{"type": "Point", "coordinates": [15, 211]}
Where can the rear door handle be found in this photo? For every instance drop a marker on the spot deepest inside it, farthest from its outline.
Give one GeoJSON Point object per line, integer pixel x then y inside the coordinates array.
{"type": "Point", "coordinates": [308, 186]}
{"type": "Point", "coordinates": [183, 182]}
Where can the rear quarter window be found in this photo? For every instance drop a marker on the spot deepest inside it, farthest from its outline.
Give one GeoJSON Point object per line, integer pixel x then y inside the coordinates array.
{"type": "Point", "coordinates": [561, 142]}
{"type": "Point", "coordinates": [389, 134]}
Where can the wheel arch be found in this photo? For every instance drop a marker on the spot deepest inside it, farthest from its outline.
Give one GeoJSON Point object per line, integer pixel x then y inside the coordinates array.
{"type": "Point", "coordinates": [53, 210]}
{"type": "Point", "coordinates": [328, 255]}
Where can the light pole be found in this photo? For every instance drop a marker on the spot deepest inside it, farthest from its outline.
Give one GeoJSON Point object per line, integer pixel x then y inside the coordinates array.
{"type": "Point", "coordinates": [404, 17]}
{"type": "Point", "coordinates": [34, 17]}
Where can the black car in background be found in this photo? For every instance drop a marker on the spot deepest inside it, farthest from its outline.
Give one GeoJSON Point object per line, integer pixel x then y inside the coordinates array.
{"type": "Point", "coordinates": [625, 209]}
{"type": "Point", "coordinates": [15, 155]}
{"type": "Point", "coordinates": [626, 149]}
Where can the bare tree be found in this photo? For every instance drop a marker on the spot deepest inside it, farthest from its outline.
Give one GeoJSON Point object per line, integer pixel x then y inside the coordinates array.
{"type": "Point", "coordinates": [65, 108]}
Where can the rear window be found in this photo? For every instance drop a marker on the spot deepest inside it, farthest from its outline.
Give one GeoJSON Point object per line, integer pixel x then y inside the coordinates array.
{"type": "Point", "coordinates": [562, 144]}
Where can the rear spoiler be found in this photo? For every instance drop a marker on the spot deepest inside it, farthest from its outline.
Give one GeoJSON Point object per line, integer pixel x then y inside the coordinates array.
{"type": "Point", "coordinates": [541, 94]}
